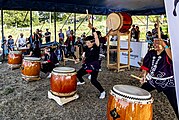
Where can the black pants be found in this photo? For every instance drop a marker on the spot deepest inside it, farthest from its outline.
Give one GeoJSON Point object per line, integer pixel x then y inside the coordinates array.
{"type": "Point", "coordinates": [170, 93]}
{"type": "Point", "coordinates": [47, 67]}
{"type": "Point", "coordinates": [94, 75]}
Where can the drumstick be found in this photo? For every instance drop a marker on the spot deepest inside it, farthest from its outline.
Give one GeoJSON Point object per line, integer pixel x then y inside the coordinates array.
{"type": "Point", "coordinates": [88, 15]}
{"type": "Point", "coordinates": [136, 77]}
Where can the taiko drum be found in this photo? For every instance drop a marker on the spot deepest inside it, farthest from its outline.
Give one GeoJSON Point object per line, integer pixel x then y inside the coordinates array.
{"type": "Point", "coordinates": [15, 57]}
{"type": "Point", "coordinates": [129, 103]}
{"type": "Point", "coordinates": [63, 81]}
{"type": "Point", "coordinates": [31, 67]}
{"type": "Point", "coordinates": [119, 21]}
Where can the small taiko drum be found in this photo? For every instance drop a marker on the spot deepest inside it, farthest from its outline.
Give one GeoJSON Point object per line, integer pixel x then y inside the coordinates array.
{"type": "Point", "coordinates": [31, 68]}
{"type": "Point", "coordinates": [63, 81]}
{"type": "Point", "coordinates": [119, 21]}
{"type": "Point", "coordinates": [129, 103]}
{"type": "Point", "coordinates": [14, 59]}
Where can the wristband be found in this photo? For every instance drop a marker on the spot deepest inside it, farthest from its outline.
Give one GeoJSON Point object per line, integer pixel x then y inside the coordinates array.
{"type": "Point", "coordinates": [93, 30]}
{"type": "Point", "coordinates": [166, 47]}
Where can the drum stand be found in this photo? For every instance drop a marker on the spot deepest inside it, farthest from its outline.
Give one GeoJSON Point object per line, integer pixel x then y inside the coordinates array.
{"type": "Point", "coordinates": [118, 66]}
{"type": "Point", "coordinates": [62, 100]}
{"type": "Point", "coordinates": [14, 66]}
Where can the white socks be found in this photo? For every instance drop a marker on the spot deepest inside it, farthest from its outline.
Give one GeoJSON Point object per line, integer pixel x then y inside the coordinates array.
{"type": "Point", "coordinates": [80, 83]}
{"type": "Point", "coordinates": [102, 95]}
{"type": "Point", "coordinates": [49, 76]}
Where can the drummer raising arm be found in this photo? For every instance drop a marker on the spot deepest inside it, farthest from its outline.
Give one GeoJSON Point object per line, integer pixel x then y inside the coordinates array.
{"type": "Point", "coordinates": [91, 63]}
{"type": "Point", "coordinates": [158, 71]}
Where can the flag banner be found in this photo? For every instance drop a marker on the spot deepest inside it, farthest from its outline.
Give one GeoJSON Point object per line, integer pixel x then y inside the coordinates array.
{"type": "Point", "coordinates": [172, 12]}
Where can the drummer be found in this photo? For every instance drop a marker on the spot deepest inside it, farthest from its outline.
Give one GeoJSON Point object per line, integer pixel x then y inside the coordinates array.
{"type": "Point", "coordinates": [157, 69]}
{"type": "Point", "coordinates": [35, 51]}
{"type": "Point", "coordinates": [50, 61]}
{"type": "Point", "coordinates": [91, 63]}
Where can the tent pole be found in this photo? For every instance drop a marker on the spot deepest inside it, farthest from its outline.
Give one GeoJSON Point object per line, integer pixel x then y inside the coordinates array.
{"type": "Point", "coordinates": [55, 26]}
{"type": "Point", "coordinates": [2, 32]}
{"type": "Point", "coordinates": [30, 26]}
{"type": "Point", "coordinates": [75, 24]}
{"type": "Point", "coordinates": [147, 26]}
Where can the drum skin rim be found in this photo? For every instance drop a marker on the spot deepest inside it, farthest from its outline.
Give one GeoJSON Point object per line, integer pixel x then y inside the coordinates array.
{"type": "Point", "coordinates": [32, 59]}
{"type": "Point", "coordinates": [63, 73]}
{"type": "Point", "coordinates": [131, 99]}
{"type": "Point", "coordinates": [57, 70]}
{"type": "Point", "coordinates": [119, 17]}
{"type": "Point", "coordinates": [15, 52]}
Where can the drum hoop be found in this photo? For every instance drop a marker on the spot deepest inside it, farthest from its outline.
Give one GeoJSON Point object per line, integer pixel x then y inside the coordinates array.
{"type": "Point", "coordinates": [131, 99]}
{"type": "Point", "coordinates": [29, 76]}
{"type": "Point", "coordinates": [119, 17]}
{"type": "Point", "coordinates": [64, 74]}
{"type": "Point", "coordinates": [122, 22]}
{"type": "Point", "coordinates": [15, 52]}
{"type": "Point", "coordinates": [62, 71]}
{"type": "Point", "coordinates": [31, 60]}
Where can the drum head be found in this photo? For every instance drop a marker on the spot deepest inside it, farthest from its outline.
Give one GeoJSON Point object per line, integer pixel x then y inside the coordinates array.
{"type": "Point", "coordinates": [114, 21]}
{"type": "Point", "coordinates": [64, 69]}
{"type": "Point", "coordinates": [32, 58]}
{"type": "Point", "coordinates": [15, 52]}
{"type": "Point", "coordinates": [132, 92]}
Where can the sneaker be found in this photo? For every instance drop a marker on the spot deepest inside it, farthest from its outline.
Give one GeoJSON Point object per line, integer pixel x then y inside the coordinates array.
{"type": "Point", "coordinates": [102, 95]}
{"type": "Point", "coordinates": [100, 70]}
{"type": "Point", "coordinates": [101, 55]}
{"type": "Point", "coordinates": [89, 77]}
{"type": "Point", "coordinates": [80, 83]}
{"type": "Point", "coordinates": [49, 76]}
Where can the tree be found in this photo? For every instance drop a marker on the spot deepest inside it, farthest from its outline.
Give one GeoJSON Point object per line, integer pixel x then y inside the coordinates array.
{"type": "Point", "coordinates": [19, 18]}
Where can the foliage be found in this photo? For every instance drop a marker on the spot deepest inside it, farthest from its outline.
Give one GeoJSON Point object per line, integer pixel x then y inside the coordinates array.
{"type": "Point", "coordinates": [16, 19]}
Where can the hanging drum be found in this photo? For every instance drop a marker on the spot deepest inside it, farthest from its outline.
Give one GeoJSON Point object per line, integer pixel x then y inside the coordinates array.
{"type": "Point", "coordinates": [119, 21]}
{"type": "Point", "coordinates": [63, 81]}
{"type": "Point", "coordinates": [129, 103]}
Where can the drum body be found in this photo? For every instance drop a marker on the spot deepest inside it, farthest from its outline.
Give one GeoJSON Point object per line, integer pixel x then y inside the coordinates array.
{"type": "Point", "coordinates": [119, 21]}
{"type": "Point", "coordinates": [129, 103]}
{"type": "Point", "coordinates": [31, 68]}
{"type": "Point", "coordinates": [15, 59]}
{"type": "Point", "coordinates": [63, 81]}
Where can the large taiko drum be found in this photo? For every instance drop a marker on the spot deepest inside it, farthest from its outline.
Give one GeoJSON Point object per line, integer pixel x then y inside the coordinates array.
{"type": "Point", "coordinates": [63, 81]}
{"type": "Point", "coordinates": [31, 68]}
{"type": "Point", "coordinates": [14, 59]}
{"type": "Point", "coordinates": [129, 103]}
{"type": "Point", "coordinates": [119, 21]}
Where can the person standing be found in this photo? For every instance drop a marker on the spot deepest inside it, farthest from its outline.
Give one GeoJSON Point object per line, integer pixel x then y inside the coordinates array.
{"type": "Point", "coordinates": [21, 41]}
{"type": "Point", "coordinates": [68, 31]}
{"type": "Point", "coordinates": [10, 43]}
{"type": "Point", "coordinates": [61, 37]}
{"type": "Point", "coordinates": [91, 63]}
{"type": "Point", "coordinates": [47, 36]}
{"type": "Point", "coordinates": [137, 34]}
{"type": "Point", "coordinates": [157, 72]}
